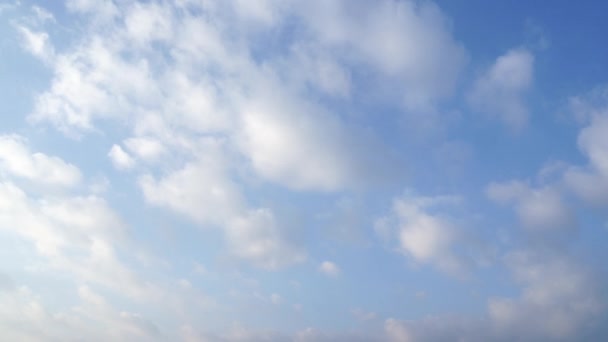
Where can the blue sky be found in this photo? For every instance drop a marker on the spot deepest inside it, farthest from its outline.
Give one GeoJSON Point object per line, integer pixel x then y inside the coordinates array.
{"type": "Point", "coordinates": [284, 170]}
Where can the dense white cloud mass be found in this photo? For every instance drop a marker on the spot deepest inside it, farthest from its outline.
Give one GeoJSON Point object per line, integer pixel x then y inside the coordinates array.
{"type": "Point", "coordinates": [501, 90]}
{"type": "Point", "coordinates": [261, 139]}
{"type": "Point", "coordinates": [302, 146]}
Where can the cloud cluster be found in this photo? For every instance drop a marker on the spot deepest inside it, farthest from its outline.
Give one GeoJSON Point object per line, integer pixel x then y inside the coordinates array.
{"type": "Point", "coordinates": [219, 110]}
{"type": "Point", "coordinates": [424, 233]}
{"type": "Point", "coordinates": [591, 182]}
{"type": "Point", "coordinates": [501, 90]}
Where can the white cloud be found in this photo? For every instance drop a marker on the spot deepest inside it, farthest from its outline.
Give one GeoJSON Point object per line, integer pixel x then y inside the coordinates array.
{"type": "Point", "coordinates": [288, 138]}
{"type": "Point", "coordinates": [298, 150]}
{"type": "Point", "coordinates": [302, 146]}
{"type": "Point", "coordinates": [559, 298]}
{"type": "Point", "coordinates": [77, 235]}
{"type": "Point", "coordinates": [329, 268]}
{"type": "Point", "coordinates": [93, 82]}
{"type": "Point", "coordinates": [148, 149]}
{"type": "Point", "coordinates": [501, 90]}
{"type": "Point", "coordinates": [120, 159]}
{"type": "Point", "coordinates": [25, 317]}
{"type": "Point", "coordinates": [421, 233]}
{"type": "Point", "coordinates": [404, 40]}
{"type": "Point", "coordinates": [37, 43]}
{"type": "Point", "coordinates": [149, 22]}
{"type": "Point", "coordinates": [539, 210]}
{"type": "Point", "coordinates": [591, 182]}
{"type": "Point", "coordinates": [104, 10]}
{"type": "Point", "coordinates": [194, 103]}
{"type": "Point", "coordinates": [594, 143]}
{"type": "Point", "coordinates": [559, 301]}
{"type": "Point", "coordinates": [201, 190]}
{"type": "Point", "coordinates": [17, 160]}
{"type": "Point", "coordinates": [258, 239]}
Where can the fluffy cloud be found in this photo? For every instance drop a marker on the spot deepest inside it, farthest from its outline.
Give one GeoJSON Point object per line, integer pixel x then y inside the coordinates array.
{"type": "Point", "coordinates": [17, 160]}
{"type": "Point", "coordinates": [558, 301]}
{"type": "Point", "coordinates": [24, 317]}
{"type": "Point", "coordinates": [591, 183]}
{"type": "Point", "coordinates": [288, 138]}
{"type": "Point", "coordinates": [329, 268]}
{"type": "Point", "coordinates": [258, 239]}
{"type": "Point", "coordinates": [198, 190]}
{"type": "Point", "coordinates": [37, 43]}
{"type": "Point", "coordinates": [222, 122]}
{"type": "Point", "coordinates": [302, 146]}
{"type": "Point", "coordinates": [147, 149]}
{"type": "Point", "coordinates": [121, 159]}
{"type": "Point", "coordinates": [60, 228]}
{"type": "Point", "coordinates": [406, 40]}
{"type": "Point", "coordinates": [422, 233]}
{"type": "Point", "coordinates": [500, 91]}
{"type": "Point", "coordinates": [539, 210]}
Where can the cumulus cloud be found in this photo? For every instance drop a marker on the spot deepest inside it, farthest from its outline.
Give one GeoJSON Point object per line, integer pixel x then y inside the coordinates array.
{"type": "Point", "coordinates": [62, 227]}
{"type": "Point", "coordinates": [559, 298]}
{"type": "Point", "coordinates": [329, 268]}
{"type": "Point", "coordinates": [288, 138]}
{"type": "Point", "coordinates": [538, 210]}
{"type": "Point", "coordinates": [147, 149]}
{"type": "Point", "coordinates": [422, 233]}
{"type": "Point", "coordinates": [302, 146]}
{"type": "Point", "coordinates": [501, 90]}
{"type": "Point", "coordinates": [16, 159]}
{"type": "Point", "coordinates": [211, 110]}
{"type": "Point", "coordinates": [591, 183]}
{"type": "Point", "coordinates": [201, 189]}
{"type": "Point", "coordinates": [559, 301]}
{"type": "Point", "coordinates": [37, 43]}
{"type": "Point", "coordinates": [121, 159]}
{"type": "Point", "coordinates": [258, 239]}
{"type": "Point", "coordinates": [406, 40]}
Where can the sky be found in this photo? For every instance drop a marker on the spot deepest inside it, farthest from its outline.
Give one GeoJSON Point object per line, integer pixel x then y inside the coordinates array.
{"type": "Point", "coordinates": [287, 170]}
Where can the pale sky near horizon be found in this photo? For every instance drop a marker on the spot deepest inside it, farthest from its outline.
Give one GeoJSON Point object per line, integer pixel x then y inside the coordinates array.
{"type": "Point", "coordinates": [303, 170]}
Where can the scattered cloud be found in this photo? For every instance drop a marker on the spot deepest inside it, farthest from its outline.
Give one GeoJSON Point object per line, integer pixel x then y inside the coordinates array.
{"type": "Point", "coordinates": [330, 269]}
{"type": "Point", "coordinates": [248, 118]}
{"type": "Point", "coordinates": [422, 233]}
{"type": "Point", "coordinates": [591, 182]}
{"type": "Point", "coordinates": [258, 239]}
{"type": "Point", "coordinates": [121, 159]}
{"type": "Point", "coordinates": [501, 90]}
{"type": "Point", "coordinates": [538, 210]}
{"type": "Point", "coordinates": [16, 159]}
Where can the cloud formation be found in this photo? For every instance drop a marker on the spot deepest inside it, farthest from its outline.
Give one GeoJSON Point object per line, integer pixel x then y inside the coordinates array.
{"type": "Point", "coordinates": [501, 90]}
{"type": "Point", "coordinates": [245, 135]}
